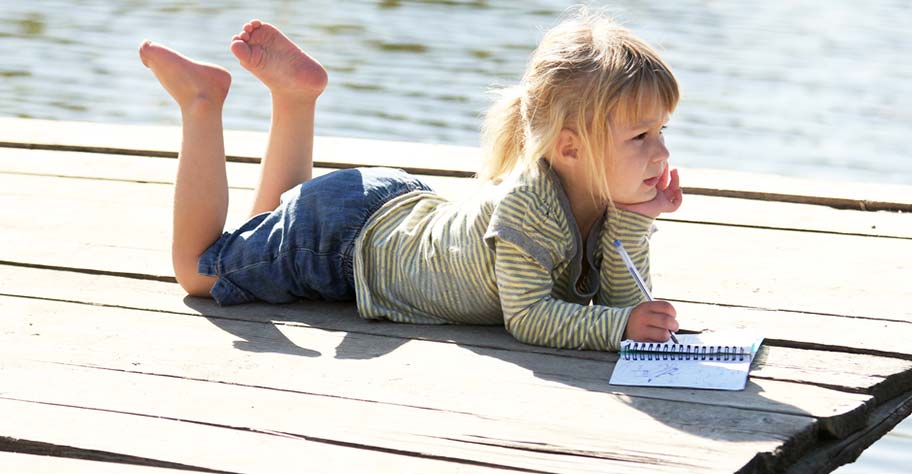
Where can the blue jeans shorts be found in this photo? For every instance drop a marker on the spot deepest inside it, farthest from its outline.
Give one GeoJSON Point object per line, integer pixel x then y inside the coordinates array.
{"type": "Point", "coordinates": [304, 248]}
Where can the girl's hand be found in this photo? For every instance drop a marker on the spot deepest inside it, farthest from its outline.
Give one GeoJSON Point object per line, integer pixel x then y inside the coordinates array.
{"type": "Point", "coordinates": [651, 322]}
{"type": "Point", "coordinates": [668, 198]}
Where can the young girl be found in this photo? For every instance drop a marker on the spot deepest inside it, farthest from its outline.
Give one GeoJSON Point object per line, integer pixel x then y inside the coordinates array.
{"type": "Point", "coordinates": [575, 158]}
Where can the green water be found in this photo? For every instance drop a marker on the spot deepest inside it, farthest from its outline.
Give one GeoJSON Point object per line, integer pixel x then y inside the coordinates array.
{"type": "Point", "coordinates": [785, 87]}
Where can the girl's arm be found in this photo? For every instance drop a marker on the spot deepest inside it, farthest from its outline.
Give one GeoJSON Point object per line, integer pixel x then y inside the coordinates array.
{"type": "Point", "coordinates": [533, 316]}
{"type": "Point", "coordinates": [616, 286]}
{"type": "Point", "coordinates": [649, 321]}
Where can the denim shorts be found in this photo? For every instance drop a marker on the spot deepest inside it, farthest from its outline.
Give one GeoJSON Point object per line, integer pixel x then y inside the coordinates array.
{"type": "Point", "coordinates": [304, 248]}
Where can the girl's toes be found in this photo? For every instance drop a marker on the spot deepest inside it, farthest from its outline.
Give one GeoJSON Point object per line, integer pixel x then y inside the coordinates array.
{"type": "Point", "coordinates": [245, 36]}
{"type": "Point", "coordinates": [241, 50]}
{"type": "Point", "coordinates": [256, 23]}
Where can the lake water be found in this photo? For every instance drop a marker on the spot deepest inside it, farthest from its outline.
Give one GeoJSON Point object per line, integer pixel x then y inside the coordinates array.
{"type": "Point", "coordinates": [801, 88]}
{"type": "Point", "coordinates": [798, 88]}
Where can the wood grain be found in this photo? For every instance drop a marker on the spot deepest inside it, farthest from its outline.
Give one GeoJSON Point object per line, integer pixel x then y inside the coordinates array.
{"type": "Point", "coordinates": [697, 208]}
{"type": "Point", "coordinates": [429, 371]}
{"type": "Point", "coordinates": [95, 336]}
{"type": "Point", "coordinates": [125, 227]}
{"type": "Point", "coordinates": [341, 386]}
{"type": "Point", "coordinates": [449, 160]}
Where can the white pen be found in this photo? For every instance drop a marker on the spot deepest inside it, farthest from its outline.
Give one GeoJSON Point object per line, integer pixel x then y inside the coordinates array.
{"type": "Point", "coordinates": [637, 278]}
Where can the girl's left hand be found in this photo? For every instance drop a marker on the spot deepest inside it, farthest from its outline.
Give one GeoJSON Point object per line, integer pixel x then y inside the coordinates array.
{"type": "Point", "coordinates": [668, 198]}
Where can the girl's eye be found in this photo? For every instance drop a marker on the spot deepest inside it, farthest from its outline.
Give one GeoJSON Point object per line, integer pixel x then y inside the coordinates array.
{"type": "Point", "coordinates": [643, 135]}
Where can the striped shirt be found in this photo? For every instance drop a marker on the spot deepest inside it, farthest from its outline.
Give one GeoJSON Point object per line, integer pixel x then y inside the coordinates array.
{"type": "Point", "coordinates": [513, 255]}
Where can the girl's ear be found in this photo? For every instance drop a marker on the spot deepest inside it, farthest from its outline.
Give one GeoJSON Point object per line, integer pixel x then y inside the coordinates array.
{"type": "Point", "coordinates": [568, 144]}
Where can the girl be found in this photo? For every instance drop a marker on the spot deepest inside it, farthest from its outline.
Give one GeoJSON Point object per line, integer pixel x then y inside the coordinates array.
{"type": "Point", "coordinates": [575, 159]}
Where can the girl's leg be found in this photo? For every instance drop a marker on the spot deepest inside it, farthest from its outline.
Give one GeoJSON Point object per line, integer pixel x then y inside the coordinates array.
{"type": "Point", "coordinates": [295, 81]}
{"type": "Point", "coordinates": [201, 188]}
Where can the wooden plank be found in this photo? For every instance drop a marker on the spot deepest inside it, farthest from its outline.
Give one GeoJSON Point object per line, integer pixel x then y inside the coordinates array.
{"type": "Point", "coordinates": [882, 377]}
{"type": "Point", "coordinates": [205, 447]}
{"type": "Point", "coordinates": [788, 216]}
{"type": "Point", "coordinates": [804, 330]}
{"type": "Point", "coordinates": [837, 194]}
{"type": "Point", "coordinates": [431, 378]}
{"type": "Point", "coordinates": [779, 270]}
{"type": "Point", "coordinates": [397, 365]}
{"type": "Point", "coordinates": [90, 327]}
{"type": "Point", "coordinates": [448, 160]}
{"type": "Point", "coordinates": [568, 446]}
{"type": "Point", "coordinates": [697, 208]}
{"type": "Point", "coordinates": [16, 462]}
{"type": "Point", "coordinates": [244, 146]}
{"type": "Point", "coordinates": [779, 327]}
{"type": "Point", "coordinates": [774, 269]}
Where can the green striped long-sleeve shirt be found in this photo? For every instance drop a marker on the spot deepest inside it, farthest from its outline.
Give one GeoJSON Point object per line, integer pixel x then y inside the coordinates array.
{"type": "Point", "coordinates": [511, 255]}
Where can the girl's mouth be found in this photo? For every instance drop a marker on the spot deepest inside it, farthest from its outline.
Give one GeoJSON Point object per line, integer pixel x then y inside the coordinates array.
{"type": "Point", "coordinates": [651, 181]}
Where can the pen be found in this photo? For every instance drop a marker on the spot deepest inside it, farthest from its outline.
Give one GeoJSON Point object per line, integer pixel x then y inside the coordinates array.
{"type": "Point", "coordinates": [637, 278]}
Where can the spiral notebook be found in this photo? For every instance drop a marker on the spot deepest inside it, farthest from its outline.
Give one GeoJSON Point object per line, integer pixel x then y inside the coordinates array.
{"type": "Point", "coordinates": [716, 361]}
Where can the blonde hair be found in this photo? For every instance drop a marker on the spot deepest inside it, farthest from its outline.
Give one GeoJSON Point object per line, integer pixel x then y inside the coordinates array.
{"type": "Point", "coordinates": [587, 73]}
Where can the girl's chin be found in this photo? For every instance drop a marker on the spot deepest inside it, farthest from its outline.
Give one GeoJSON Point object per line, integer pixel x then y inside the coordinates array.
{"type": "Point", "coordinates": [639, 197]}
{"type": "Point", "coordinates": [649, 194]}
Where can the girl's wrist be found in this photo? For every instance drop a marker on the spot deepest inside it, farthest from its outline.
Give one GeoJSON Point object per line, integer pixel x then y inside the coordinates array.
{"type": "Point", "coordinates": [627, 226]}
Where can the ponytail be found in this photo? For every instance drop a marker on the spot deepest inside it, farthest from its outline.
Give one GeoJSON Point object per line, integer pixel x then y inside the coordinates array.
{"type": "Point", "coordinates": [503, 135]}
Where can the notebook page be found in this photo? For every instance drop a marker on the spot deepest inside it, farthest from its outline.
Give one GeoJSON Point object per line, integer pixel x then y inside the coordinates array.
{"type": "Point", "coordinates": [715, 372]}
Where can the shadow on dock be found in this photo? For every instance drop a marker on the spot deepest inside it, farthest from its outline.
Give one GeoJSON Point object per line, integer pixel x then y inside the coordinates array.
{"type": "Point", "coordinates": [260, 329]}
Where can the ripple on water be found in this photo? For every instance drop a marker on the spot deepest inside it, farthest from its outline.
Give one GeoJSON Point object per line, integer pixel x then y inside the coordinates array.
{"type": "Point", "coordinates": [786, 86]}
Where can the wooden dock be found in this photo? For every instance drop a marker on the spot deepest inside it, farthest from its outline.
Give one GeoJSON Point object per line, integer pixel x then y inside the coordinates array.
{"type": "Point", "coordinates": [105, 366]}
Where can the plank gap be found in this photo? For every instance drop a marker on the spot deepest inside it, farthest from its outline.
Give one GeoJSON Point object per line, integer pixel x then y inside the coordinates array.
{"type": "Point", "coordinates": [833, 348]}
{"type": "Point", "coordinates": [778, 310]}
{"type": "Point", "coordinates": [91, 271]}
{"type": "Point", "coordinates": [259, 387]}
{"type": "Point", "coordinates": [833, 202]}
{"type": "Point", "coordinates": [790, 229]}
{"type": "Point", "coordinates": [831, 428]}
{"type": "Point", "coordinates": [113, 457]}
{"type": "Point", "coordinates": [531, 350]}
{"type": "Point", "coordinates": [660, 219]}
{"type": "Point", "coordinates": [228, 158]}
{"type": "Point", "coordinates": [25, 446]}
{"type": "Point", "coordinates": [544, 448]}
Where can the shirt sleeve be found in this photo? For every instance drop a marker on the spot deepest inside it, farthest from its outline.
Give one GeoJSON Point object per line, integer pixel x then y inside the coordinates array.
{"type": "Point", "coordinates": [617, 288]}
{"type": "Point", "coordinates": [533, 316]}
{"type": "Point", "coordinates": [526, 220]}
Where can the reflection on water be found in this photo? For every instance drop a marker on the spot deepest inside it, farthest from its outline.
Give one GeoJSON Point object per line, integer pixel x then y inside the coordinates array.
{"type": "Point", "coordinates": [790, 87]}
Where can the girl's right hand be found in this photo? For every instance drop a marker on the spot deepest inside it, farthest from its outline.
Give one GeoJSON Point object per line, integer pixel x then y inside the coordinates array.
{"type": "Point", "coordinates": [669, 196]}
{"type": "Point", "coordinates": [651, 321]}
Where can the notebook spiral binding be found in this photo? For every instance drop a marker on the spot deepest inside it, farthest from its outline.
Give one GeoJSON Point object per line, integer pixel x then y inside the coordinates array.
{"type": "Point", "coordinates": [665, 351]}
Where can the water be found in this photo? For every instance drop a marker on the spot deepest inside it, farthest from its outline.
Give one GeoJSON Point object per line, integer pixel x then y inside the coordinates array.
{"type": "Point", "coordinates": [798, 88]}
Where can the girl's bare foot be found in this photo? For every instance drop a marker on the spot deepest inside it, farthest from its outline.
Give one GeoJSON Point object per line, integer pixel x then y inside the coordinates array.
{"type": "Point", "coordinates": [192, 84]}
{"type": "Point", "coordinates": [285, 69]}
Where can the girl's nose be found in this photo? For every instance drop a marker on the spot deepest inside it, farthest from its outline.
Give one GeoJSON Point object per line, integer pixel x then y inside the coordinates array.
{"type": "Point", "coordinates": [661, 152]}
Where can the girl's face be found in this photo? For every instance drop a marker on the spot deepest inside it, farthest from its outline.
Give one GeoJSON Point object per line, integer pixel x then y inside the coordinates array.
{"type": "Point", "coordinates": [638, 159]}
